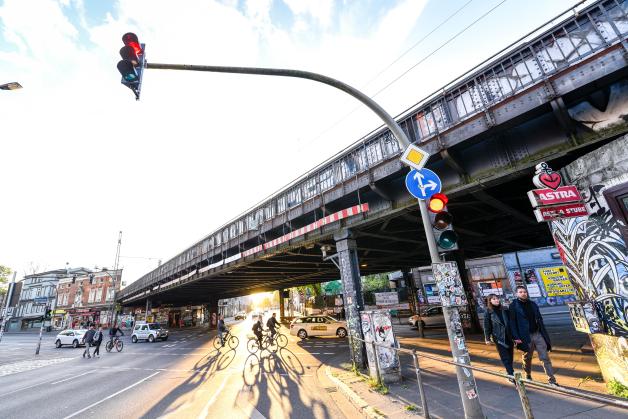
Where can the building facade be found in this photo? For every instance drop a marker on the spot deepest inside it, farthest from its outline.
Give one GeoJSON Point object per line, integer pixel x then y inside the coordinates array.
{"type": "Point", "coordinates": [38, 292]}
{"type": "Point", "coordinates": [86, 298]}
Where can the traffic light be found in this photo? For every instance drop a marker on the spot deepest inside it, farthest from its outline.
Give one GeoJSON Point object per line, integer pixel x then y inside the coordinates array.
{"type": "Point", "coordinates": [48, 314]}
{"type": "Point", "coordinates": [446, 237]}
{"type": "Point", "coordinates": [131, 66]}
{"type": "Point", "coordinates": [91, 279]}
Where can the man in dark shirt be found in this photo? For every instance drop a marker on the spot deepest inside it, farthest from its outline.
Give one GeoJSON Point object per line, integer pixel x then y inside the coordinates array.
{"type": "Point", "coordinates": [272, 325]}
{"type": "Point", "coordinates": [529, 334]}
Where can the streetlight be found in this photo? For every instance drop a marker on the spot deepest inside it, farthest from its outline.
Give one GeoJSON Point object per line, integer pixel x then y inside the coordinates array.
{"type": "Point", "coordinates": [10, 86]}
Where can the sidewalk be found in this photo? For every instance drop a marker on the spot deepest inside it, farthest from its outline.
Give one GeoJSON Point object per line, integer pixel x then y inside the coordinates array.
{"type": "Point", "coordinates": [499, 398]}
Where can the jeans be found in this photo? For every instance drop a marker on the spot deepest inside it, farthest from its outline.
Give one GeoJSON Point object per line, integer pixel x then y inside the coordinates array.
{"type": "Point", "coordinates": [222, 341]}
{"type": "Point", "coordinates": [506, 355]}
{"type": "Point", "coordinates": [97, 350]}
{"type": "Point", "coordinates": [87, 345]}
{"type": "Point", "coordinates": [537, 342]}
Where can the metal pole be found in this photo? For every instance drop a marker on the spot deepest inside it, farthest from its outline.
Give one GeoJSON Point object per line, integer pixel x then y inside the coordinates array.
{"type": "Point", "coordinates": [41, 330]}
{"type": "Point", "coordinates": [112, 307]}
{"type": "Point", "coordinates": [525, 402]}
{"type": "Point", "coordinates": [419, 380]}
{"type": "Point", "coordinates": [377, 370]}
{"type": "Point", "coordinates": [6, 304]}
{"type": "Point", "coordinates": [471, 405]}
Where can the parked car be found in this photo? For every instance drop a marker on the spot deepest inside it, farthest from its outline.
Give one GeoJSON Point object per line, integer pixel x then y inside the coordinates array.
{"type": "Point", "coordinates": [240, 315]}
{"type": "Point", "coordinates": [318, 326]}
{"type": "Point", "coordinates": [72, 337]}
{"type": "Point", "coordinates": [148, 331]}
{"type": "Point", "coordinates": [431, 317]}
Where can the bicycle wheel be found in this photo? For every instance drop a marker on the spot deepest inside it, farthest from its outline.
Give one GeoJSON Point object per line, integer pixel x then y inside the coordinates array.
{"type": "Point", "coordinates": [233, 342]}
{"type": "Point", "coordinates": [271, 344]}
{"type": "Point", "coordinates": [108, 346]}
{"type": "Point", "coordinates": [252, 345]}
{"type": "Point", "coordinates": [119, 346]}
{"type": "Point", "coordinates": [217, 343]}
{"type": "Point", "coordinates": [282, 340]}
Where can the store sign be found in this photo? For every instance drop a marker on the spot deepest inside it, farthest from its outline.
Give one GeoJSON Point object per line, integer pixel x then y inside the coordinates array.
{"type": "Point", "coordinates": [386, 298]}
{"type": "Point", "coordinates": [556, 212]}
{"type": "Point", "coordinates": [553, 201]}
{"type": "Point", "coordinates": [556, 281]}
{"type": "Point", "coordinates": [562, 195]}
{"type": "Point", "coordinates": [491, 287]}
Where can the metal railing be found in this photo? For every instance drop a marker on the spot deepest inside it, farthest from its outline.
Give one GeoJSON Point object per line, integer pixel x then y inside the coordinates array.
{"type": "Point", "coordinates": [520, 383]}
{"type": "Point", "coordinates": [532, 60]}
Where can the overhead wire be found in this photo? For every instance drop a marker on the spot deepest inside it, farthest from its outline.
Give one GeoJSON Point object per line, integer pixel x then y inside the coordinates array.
{"type": "Point", "coordinates": [342, 119]}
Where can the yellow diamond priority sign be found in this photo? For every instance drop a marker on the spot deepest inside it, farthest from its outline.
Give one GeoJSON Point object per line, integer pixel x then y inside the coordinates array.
{"type": "Point", "coordinates": [415, 157]}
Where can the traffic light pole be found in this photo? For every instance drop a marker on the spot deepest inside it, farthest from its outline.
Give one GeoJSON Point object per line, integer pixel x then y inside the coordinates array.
{"type": "Point", "coordinates": [471, 405]}
{"type": "Point", "coordinates": [8, 299]}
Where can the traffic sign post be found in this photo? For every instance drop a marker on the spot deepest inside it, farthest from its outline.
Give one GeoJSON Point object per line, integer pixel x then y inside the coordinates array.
{"type": "Point", "coordinates": [423, 183]}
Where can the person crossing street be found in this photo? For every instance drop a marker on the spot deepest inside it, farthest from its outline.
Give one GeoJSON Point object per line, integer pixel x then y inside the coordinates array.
{"type": "Point", "coordinates": [88, 340]}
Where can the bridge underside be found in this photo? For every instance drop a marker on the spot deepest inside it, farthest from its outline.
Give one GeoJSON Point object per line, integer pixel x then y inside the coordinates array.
{"type": "Point", "coordinates": [491, 220]}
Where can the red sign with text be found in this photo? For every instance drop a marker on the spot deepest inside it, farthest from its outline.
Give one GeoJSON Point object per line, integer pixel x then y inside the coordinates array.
{"type": "Point", "coordinates": [560, 211]}
{"type": "Point", "coordinates": [560, 195]}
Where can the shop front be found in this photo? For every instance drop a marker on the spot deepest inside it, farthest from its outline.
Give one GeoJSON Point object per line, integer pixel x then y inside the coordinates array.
{"type": "Point", "coordinates": [542, 272]}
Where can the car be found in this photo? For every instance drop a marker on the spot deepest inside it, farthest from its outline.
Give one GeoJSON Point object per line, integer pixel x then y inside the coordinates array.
{"type": "Point", "coordinates": [318, 326]}
{"type": "Point", "coordinates": [72, 337]}
{"type": "Point", "coordinates": [241, 315]}
{"type": "Point", "coordinates": [148, 331]}
{"type": "Point", "coordinates": [431, 317]}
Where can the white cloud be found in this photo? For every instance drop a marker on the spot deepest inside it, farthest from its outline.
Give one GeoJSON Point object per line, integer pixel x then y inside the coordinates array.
{"type": "Point", "coordinates": [83, 160]}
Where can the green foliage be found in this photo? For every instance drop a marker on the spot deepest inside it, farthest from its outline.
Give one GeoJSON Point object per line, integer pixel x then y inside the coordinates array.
{"type": "Point", "coordinates": [378, 386]}
{"type": "Point", "coordinates": [617, 389]}
{"type": "Point", "coordinates": [314, 290]}
{"type": "Point", "coordinates": [332, 287]}
{"type": "Point", "coordinates": [411, 408]}
{"type": "Point", "coordinates": [4, 273]}
{"type": "Point", "coordinates": [375, 282]}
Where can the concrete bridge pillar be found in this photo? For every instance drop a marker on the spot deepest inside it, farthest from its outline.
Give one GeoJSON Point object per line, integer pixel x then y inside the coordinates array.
{"type": "Point", "coordinates": [282, 305]}
{"type": "Point", "coordinates": [352, 290]}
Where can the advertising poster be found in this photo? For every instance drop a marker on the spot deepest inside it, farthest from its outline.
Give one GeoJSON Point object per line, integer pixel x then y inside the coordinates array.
{"type": "Point", "coordinates": [556, 281]}
{"type": "Point", "coordinates": [386, 298]}
{"type": "Point", "coordinates": [584, 317]}
{"type": "Point", "coordinates": [431, 292]}
{"type": "Point", "coordinates": [491, 287]}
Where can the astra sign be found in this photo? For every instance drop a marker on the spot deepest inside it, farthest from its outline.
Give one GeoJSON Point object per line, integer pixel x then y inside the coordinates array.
{"type": "Point", "coordinates": [562, 195]}
{"type": "Point", "coordinates": [553, 201]}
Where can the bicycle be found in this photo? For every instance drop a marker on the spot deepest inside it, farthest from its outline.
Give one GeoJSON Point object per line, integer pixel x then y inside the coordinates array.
{"type": "Point", "coordinates": [280, 340]}
{"type": "Point", "coordinates": [231, 340]}
{"type": "Point", "coordinates": [117, 343]}
{"type": "Point", "coordinates": [253, 345]}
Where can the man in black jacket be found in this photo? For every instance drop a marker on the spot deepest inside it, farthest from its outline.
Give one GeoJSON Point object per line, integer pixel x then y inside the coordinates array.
{"type": "Point", "coordinates": [88, 340]}
{"type": "Point", "coordinates": [528, 332]}
{"type": "Point", "coordinates": [272, 325]}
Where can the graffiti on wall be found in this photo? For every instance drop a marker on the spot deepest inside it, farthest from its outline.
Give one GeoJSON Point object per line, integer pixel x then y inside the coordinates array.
{"type": "Point", "coordinates": [592, 247]}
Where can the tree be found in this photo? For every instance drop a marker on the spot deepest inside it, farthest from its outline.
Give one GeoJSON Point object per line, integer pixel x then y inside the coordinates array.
{"type": "Point", "coordinates": [375, 282]}
{"type": "Point", "coordinates": [4, 277]}
{"type": "Point", "coordinates": [332, 288]}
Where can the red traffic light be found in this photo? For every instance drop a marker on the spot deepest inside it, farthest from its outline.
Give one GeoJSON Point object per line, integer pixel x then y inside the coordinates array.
{"type": "Point", "coordinates": [437, 202]}
{"type": "Point", "coordinates": [131, 40]}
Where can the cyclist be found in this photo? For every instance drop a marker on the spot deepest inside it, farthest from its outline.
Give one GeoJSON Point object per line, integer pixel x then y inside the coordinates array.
{"type": "Point", "coordinates": [113, 333]}
{"type": "Point", "coordinates": [222, 329]}
{"type": "Point", "coordinates": [258, 329]}
{"type": "Point", "coordinates": [272, 324]}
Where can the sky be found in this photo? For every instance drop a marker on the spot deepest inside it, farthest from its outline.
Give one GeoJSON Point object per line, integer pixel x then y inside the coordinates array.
{"type": "Point", "coordinates": [82, 160]}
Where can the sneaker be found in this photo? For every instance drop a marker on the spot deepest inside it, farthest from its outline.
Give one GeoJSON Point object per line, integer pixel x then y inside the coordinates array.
{"type": "Point", "coordinates": [528, 377]}
{"type": "Point", "coordinates": [89, 356]}
{"type": "Point", "coordinates": [553, 383]}
{"type": "Point", "coordinates": [512, 380]}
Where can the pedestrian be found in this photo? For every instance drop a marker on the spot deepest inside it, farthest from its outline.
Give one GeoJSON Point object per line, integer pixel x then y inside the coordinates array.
{"type": "Point", "coordinates": [497, 331]}
{"type": "Point", "coordinates": [97, 341]}
{"type": "Point", "coordinates": [88, 340]}
{"type": "Point", "coordinates": [529, 333]}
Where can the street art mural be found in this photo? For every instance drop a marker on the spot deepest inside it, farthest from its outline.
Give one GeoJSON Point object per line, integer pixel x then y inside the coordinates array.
{"type": "Point", "coordinates": [595, 253]}
{"type": "Point", "coordinates": [377, 327]}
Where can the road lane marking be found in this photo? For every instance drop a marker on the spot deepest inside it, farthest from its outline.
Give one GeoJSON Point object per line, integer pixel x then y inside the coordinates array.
{"type": "Point", "coordinates": [205, 411]}
{"type": "Point", "coordinates": [71, 377]}
{"type": "Point", "coordinates": [111, 395]}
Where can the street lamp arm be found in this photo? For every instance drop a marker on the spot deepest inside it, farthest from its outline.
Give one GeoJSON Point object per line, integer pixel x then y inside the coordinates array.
{"type": "Point", "coordinates": [370, 103]}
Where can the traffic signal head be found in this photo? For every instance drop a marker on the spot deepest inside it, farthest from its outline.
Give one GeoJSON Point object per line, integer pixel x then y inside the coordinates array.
{"type": "Point", "coordinates": [48, 314]}
{"type": "Point", "coordinates": [444, 234]}
{"type": "Point", "coordinates": [132, 64]}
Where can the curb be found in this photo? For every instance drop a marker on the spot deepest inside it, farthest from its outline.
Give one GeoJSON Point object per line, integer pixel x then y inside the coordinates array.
{"type": "Point", "coordinates": [357, 401]}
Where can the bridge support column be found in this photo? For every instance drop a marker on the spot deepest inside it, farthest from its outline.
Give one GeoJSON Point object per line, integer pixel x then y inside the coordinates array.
{"type": "Point", "coordinates": [352, 291]}
{"type": "Point", "coordinates": [212, 309]}
{"type": "Point", "coordinates": [282, 305]}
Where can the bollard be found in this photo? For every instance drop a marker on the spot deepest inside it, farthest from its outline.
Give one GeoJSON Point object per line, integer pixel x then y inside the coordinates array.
{"type": "Point", "coordinates": [377, 371]}
{"type": "Point", "coordinates": [419, 381]}
{"type": "Point", "coordinates": [525, 403]}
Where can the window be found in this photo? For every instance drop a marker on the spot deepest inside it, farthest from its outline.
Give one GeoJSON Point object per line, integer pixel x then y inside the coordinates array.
{"type": "Point", "coordinates": [136, 328]}
{"type": "Point", "coordinates": [145, 327]}
{"type": "Point", "coordinates": [617, 199]}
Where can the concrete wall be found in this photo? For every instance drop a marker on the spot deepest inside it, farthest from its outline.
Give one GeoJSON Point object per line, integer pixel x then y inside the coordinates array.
{"type": "Point", "coordinates": [595, 253]}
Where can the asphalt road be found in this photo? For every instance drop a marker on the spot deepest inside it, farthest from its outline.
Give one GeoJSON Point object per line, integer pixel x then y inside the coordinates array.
{"type": "Point", "coordinates": [184, 377]}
